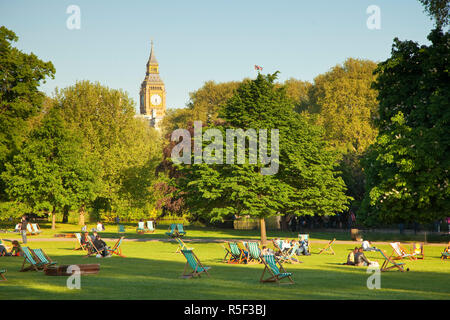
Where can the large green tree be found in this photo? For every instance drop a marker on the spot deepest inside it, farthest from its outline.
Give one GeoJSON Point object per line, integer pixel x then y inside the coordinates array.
{"type": "Point", "coordinates": [407, 168]}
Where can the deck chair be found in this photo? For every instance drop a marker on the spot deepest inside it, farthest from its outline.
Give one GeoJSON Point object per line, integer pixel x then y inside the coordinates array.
{"type": "Point", "coordinates": [399, 252]}
{"type": "Point", "coordinates": [173, 233]}
{"type": "Point", "coordinates": [237, 255]}
{"type": "Point", "coordinates": [389, 263]}
{"type": "Point", "coordinates": [141, 227]}
{"type": "Point", "coordinates": [116, 249]}
{"type": "Point", "coordinates": [181, 231]}
{"type": "Point", "coordinates": [182, 246]}
{"type": "Point", "coordinates": [446, 253]}
{"type": "Point", "coordinates": [305, 237]}
{"type": "Point", "coordinates": [35, 228]}
{"type": "Point", "coordinates": [43, 257]}
{"type": "Point", "coordinates": [2, 274]}
{"type": "Point", "coordinates": [277, 273]}
{"type": "Point", "coordinates": [30, 231]}
{"type": "Point", "coordinates": [254, 252]}
{"type": "Point", "coordinates": [194, 263]}
{"type": "Point", "coordinates": [418, 250]}
{"type": "Point", "coordinates": [291, 255]}
{"type": "Point", "coordinates": [277, 244]}
{"type": "Point", "coordinates": [30, 259]}
{"type": "Point", "coordinates": [328, 247]}
{"type": "Point", "coordinates": [121, 228]}
{"type": "Point", "coordinates": [91, 248]}
{"type": "Point", "coordinates": [82, 246]}
{"type": "Point", "coordinates": [150, 226]}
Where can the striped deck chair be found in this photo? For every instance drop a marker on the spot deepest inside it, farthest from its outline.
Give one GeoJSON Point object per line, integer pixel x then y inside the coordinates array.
{"type": "Point", "coordinates": [116, 249]}
{"type": "Point", "coordinates": [173, 233]}
{"type": "Point", "coordinates": [30, 259]}
{"type": "Point", "coordinates": [43, 258]}
{"type": "Point", "coordinates": [195, 264]}
{"type": "Point", "coordinates": [35, 228]}
{"type": "Point", "coordinates": [254, 252]}
{"type": "Point", "coordinates": [291, 255]}
{"type": "Point", "coordinates": [446, 253]}
{"type": "Point", "coordinates": [418, 250]}
{"type": "Point", "coordinates": [2, 274]}
{"type": "Point", "coordinates": [141, 227]}
{"type": "Point", "coordinates": [389, 263]}
{"type": "Point", "coordinates": [328, 247]}
{"type": "Point", "coordinates": [182, 246]}
{"type": "Point", "coordinates": [91, 248]}
{"type": "Point", "coordinates": [120, 228]}
{"type": "Point", "coordinates": [400, 252]}
{"type": "Point", "coordinates": [82, 246]}
{"type": "Point", "coordinates": [150, 226]}
{"type": "Point", "coordinates": [181, 231]}
{"type": "Point", "coordinates": [30, 231]}
{"type": "Point", "coordinates": [277, 273]}
{"type": "Point", "coordinates": [237, 254]}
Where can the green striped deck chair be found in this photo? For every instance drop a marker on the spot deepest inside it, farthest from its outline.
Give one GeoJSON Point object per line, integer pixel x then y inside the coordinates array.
{"type": "Point", "coordinates": [389, 263]}
{"type": "Point", "coordinates": [173, 233]}
{"type": "Point", "coordinates": [121, 228]}
{"type": "Point", "coordinates": [276, 273]}
{"type": "Point", "coordinates": [182, 246]}
{"type": "Point", "coordinates": [43, 258]}
{"type": "Point", "coordinates": [236, 254]}
{"type": "Point", "coordinates": [194, 263]}
{"type": "Point", "coordinates": [328, 247]}
{"type": "Point", "coordinates": [30, 259]}
{"type": "Point", "coordinates": [150, 226]}
{"type": "Point", "coordinates": [116, 249]}
{"type": "Point", "coordinates": [82, 246]}
{"type": "Point", "coordinates": [254, 252]}
{"type": "Point", "coordinates": [181, 231]}
{"type": "Point", "coordinates": [141, 227]}
{"type": "Point", "coordinates": [2, 274]}
{"type": "Point", "coordinates": [277, 244]}
{"type": "Point", "coordinates": [291, 255]}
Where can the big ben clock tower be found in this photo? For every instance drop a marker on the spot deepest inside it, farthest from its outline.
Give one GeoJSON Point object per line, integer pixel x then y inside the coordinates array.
{"type": "Point", "coordinates": [153, 92]}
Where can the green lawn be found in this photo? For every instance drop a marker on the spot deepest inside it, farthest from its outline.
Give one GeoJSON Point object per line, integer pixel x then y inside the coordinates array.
{"type": "Point", "coordinates": [152, 270]}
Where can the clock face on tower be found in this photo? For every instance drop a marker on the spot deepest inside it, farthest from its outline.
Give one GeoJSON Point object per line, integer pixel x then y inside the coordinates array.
{"type": "Point", "coordinates": [155, 99]}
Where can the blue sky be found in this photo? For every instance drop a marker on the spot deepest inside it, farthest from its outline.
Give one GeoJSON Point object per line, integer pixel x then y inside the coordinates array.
{"type": "Point", "coordinates": [196, 41]}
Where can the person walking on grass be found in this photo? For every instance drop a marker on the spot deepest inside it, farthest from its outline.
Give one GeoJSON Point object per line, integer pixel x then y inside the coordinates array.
{"type": "Point", "coordinates": [23, 229]}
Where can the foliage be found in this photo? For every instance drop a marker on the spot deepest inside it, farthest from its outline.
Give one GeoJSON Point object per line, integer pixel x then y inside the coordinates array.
{"type": "Point", "coordinates": [438, 10]}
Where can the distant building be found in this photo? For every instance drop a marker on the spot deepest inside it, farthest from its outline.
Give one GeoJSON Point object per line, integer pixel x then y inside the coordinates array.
{"type": "Point", "coordinates": [153, 93]}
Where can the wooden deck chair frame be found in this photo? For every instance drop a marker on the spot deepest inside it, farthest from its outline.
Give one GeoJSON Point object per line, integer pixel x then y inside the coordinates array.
{"type": "Point", "coordinates": [198, 269]}
{"type": "Point", "coordinates": [91, 249]}
{"type": "Point", "coordinates": [2, 274]}
{"type": "Point", "coordinates": [399, 252]}
{"type": "Point", "coordinates": [269, 260]}
{"type": "Point", "coordinates": [150, 226]}
{"type": "Point", "coordinates": [43, 258]}
{"type": "Point", "coordinates": [31, 260]}
{"type": "Point", "coordinates": [30, 231]}
{"type": "Point", "coordinates": [328, 247]}
{"type": "Point", "coordinates": [116, 249]}
{"type": "Point", "coordinates": [81, 245]}
{"type": "Point", "coordinates": [181, 245]}
{"type": "Point", "coordinates": [289, 256]}
{"type": "Point", "coordinates": [387, 261]}
{"type": "Point", "coordinates": [236, 257]}
{"type": "Point", "coordinates": [414, 247]}
{"type": "Point", "coordinates": [254, 252]}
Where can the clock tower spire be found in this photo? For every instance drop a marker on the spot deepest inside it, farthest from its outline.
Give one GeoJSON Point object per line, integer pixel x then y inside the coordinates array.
{"type": "Point", "coordinates": [153, 92]}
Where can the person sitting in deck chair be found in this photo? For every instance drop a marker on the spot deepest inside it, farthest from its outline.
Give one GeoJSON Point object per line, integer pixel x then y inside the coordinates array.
{"type": "Point", "coordinates": [101, 246]}
{"type": "Point", "coordinates": [303, 248]}
{"type": "Point", "coordinates": [265, 250]}
{"type": "Point", "coordinates": [16, 249]}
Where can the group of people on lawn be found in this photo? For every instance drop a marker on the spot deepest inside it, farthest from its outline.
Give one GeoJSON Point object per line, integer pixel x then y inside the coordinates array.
{"type": "Point", "coordinates": [286, 245]}
{"type": "Point", "coordinates": [14, 251]}
{"type": "Point", "coordinates": [97, 242]}
{"type": "Point", "coordinates": [356, 257]}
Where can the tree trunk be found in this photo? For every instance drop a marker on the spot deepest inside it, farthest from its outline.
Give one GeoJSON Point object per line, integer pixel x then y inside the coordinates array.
{"type": "Point", "coordinates": [262, 224]}
{"type": "Point", "coordinates": [82, 215]}
{"type": "Point", "coordinates": [65, 214]}
{"type": "Point", "coordinates": [54, 218]}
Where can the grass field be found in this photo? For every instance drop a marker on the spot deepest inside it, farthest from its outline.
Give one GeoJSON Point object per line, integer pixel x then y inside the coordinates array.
{"type": "Point", "coordinates": [152, 270]}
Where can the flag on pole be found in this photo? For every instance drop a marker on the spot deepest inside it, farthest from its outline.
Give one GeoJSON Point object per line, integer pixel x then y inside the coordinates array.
{"type": "Point", "coordinates": [258, 67]}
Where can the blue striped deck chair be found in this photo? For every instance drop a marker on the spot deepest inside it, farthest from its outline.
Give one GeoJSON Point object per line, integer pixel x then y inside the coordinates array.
{"type": "Point", "coordinates": [43, 258]}
{"type": "Point", "coordinates": [120, 228]}
{"type": "Point", "coordinates": [276, 273]}
{"type": "Point", "coordinates": [30, 259]}
{"type": "Point", "coordinates": [254, 252]}
{"type": "Point", "coordinates": [2, 274]}
{"type": "Point", "coordinates": [195, 264]}
{"type": "Point", "coordinates": [181, 231]}
{"type": "Point", "coordinates": [237, 255]}
{"type": "Point", "coordinates": [150, 226]}
{"type": "Point", "coordinates": [182, 246]}
{"type": "Point", "coordinates": [116, 249]}
{"type": "Point", "coordinates": [389, 263]}
{"type": "Point", "coordinates": [291, 255]}
{"type": "Point", "coordinates": [141, 227]}
{"type": "Point", "coordinates": [173, 233]}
